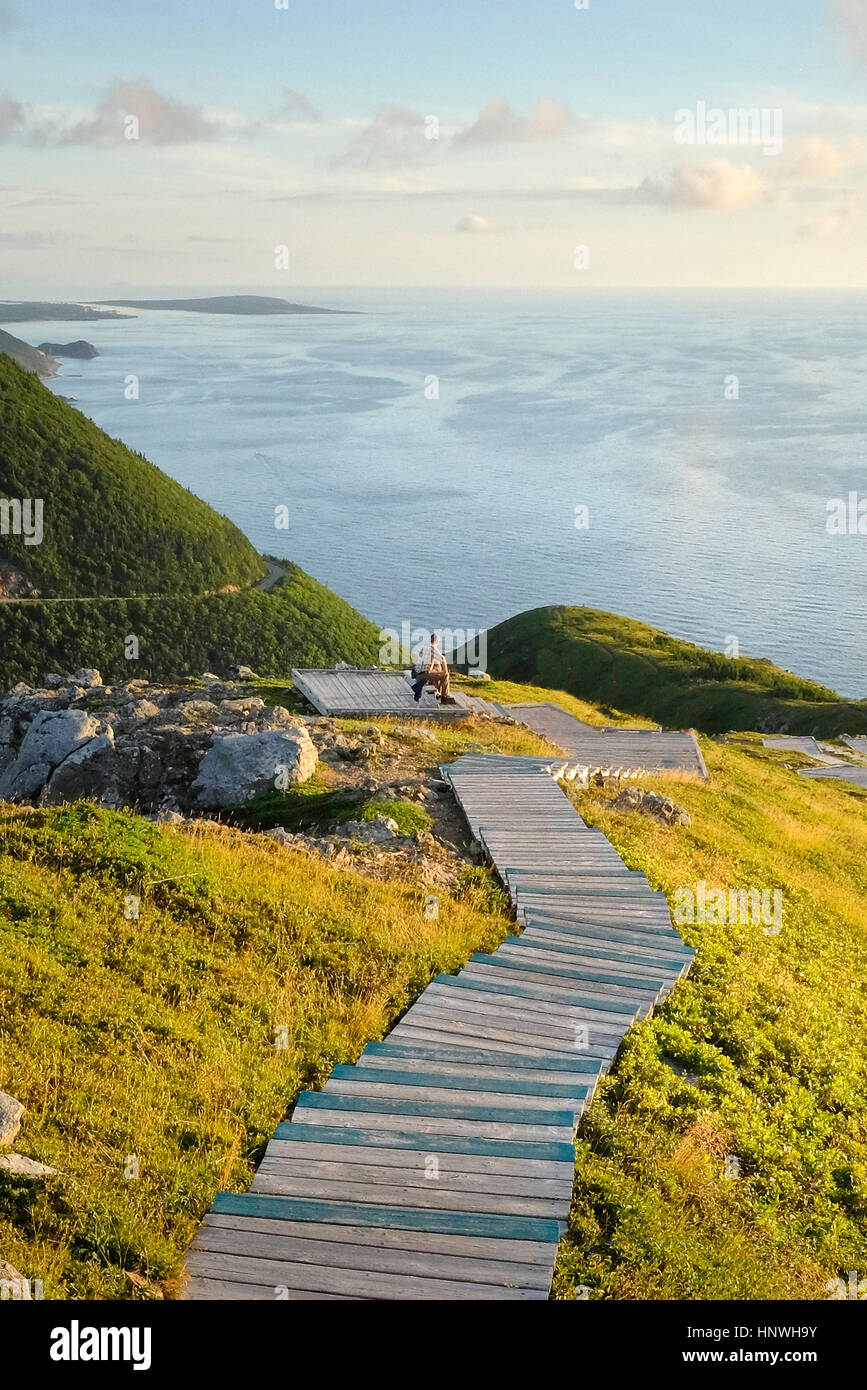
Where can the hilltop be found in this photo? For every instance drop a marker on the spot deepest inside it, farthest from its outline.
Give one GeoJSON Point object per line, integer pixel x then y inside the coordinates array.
{"type": "Point", "coordinates": [619, 662]}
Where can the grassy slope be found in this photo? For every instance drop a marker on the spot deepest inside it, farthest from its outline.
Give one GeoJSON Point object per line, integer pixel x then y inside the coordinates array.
{"type": "Point", "coordinates": [155, 1037]}
{"type": "Point", "coordinates": [114, 524]}
{"type": "Point", "coordinates": [773, 1029]}
{"type": "Point", "coordinates": [601, 656]}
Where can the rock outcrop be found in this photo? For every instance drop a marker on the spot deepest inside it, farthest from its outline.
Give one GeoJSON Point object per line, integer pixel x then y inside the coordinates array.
{"type": "Point", "coordinates": [662, 808]}
{"type": "Point", "coordinates": [150, 747]}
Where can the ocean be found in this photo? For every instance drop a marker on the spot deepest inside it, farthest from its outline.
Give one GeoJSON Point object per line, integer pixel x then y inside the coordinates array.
{"type": "Point", "coordinates": [448, 458]}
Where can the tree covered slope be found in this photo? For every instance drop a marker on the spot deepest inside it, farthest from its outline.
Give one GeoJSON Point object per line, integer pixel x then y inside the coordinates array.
{"type": "Point", "coordinates": [113, 522]}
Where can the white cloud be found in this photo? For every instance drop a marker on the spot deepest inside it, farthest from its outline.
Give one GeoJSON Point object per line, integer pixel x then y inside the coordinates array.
{"type": "Point", "coordinates": [716, 184]}
{"type": "Point", "coordinates": [471, 222]}
{"type": "Point", "coordinates": [499, 124]}
{"type": "Point", "coordinates": [162, 120]}
{"type": "Point", "coordinates": [394, 139]}
{"type": "Point", "coordinates": [817, 158]}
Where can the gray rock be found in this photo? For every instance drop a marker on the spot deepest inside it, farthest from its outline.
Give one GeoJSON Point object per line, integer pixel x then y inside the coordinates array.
{"type": "Point", "coordinates": [21, 1167]}
{"type": "Point", "coordinates": [238, 767]}
{"type": "Point", "coordinates": [52, 736]}
{"type": "Point", "coordinates": [94, 770]}
{"type": "Point", "coordinates": [282, 836]}
{"type": "Point", "coordinates": [662, 808]}
{"type": "Point", "coordinates": [86, 676]}
{"type": "Point", "coordinates": [376, 831]}
{"type": "Point", "coordinates": [11, 1111]}
{"type": "Point", "coordinates": [53, 681]}
{"type": "Point", "coordinates": [144, 709]}
{"type": "Point", "coordinates": [244, 673]}
{"type": "Point", "coordinates": [210, 679]}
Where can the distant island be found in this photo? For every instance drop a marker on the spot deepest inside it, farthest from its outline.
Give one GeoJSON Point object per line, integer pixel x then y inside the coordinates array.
{"type": "Point", "coordinates": [226, 304]}
{"type": "Point", "coordinates": [77, 349]}
{"type": "Point", "coordinates": [31, 310]}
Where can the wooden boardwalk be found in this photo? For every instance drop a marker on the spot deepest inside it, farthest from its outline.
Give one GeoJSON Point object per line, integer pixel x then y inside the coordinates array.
{"type": "Point", "coordinates": [440, 1165]}
{"type": "Point", "coordinates": [345, 691]}
{"type": "Point", "coordinates": [614, 751]}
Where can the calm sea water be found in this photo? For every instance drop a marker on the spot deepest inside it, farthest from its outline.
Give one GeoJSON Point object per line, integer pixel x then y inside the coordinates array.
{"type": "Point", "coordinates": [707, 516]}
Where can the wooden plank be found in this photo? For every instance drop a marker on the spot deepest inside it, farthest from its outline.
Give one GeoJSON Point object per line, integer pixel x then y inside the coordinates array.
{"type": "Point", "coordinates": [339, 1117]}
{"type": "Point", "coordinates": [414, 1139]}
{"type": "Point", "coordinates": [200, 1289]}
{"type": "Point", "coordinates": [443, 1053]}
{"type": "Point", "coordinates": [527, 1252]}
{"type": "Point", "coordinates": [346, 1255]}
{"type": "Point", "coordinates": [534, 1228]}
{"type": "Point", "coordinates": [464, 1106]}
{"type": "Point", "coordinates": [486, 1080]}
{"type": "Point", "coordinates": [348, 1282]}
{"type": "Point", "coordinates": [413, 1164]}
{"type": "Point", "coordinates": [437, 1197]}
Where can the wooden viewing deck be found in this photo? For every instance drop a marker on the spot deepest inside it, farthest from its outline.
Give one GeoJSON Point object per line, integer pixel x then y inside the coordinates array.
{"type": "Point", "coordinates": [440, 1165]}
{"type": "Point", "coordinates": [345, 691]}
{"type": "Point", "coordinates": [627, 751]}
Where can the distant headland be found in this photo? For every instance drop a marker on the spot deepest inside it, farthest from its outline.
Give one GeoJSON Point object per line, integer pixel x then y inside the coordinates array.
{"type": "Point", "coordinates": [226, 304]}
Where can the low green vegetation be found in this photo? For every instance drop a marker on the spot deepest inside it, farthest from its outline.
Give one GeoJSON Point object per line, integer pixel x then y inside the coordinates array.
{"type": "Point", "coordinates": [602, 657]}
{"type": "Point", "coordinates": [758, 1056]}
{"type": "Point", "coordinates": [149, 1045]}
{"type": "Point", "coordinates": [314, 808]}
{"type": "Point", "coordinates": [112, 522]}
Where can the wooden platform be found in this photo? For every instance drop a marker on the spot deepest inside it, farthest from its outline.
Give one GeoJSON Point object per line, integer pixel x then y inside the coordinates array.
{"type": "Point", "coordinates": [345, 691]}
{"type": "Point", "coordinates": [842, 772]}
{"type": "Point", "coordinates": [614, 751]}
{"type": "Point", "coordinates": [440, 1165]}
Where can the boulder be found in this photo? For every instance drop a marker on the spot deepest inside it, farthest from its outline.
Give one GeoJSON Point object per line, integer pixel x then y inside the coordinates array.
{"type": "Point", "coordinates": [94, 770]}
{"type": "Point", "coordinates": [238, 767]}
{"type": "Point", "coordinates": [11, 1111]}
{"type": "Point", "coordinates": [85, 676]}
{"type": "Point", "coordinates": [28, 1168]}
{"type": "Point", "coordinates": [662, 808]}
{"type": "Point", "coordinates": [372, 832]}
{"type": "Point", "coordinates": [244, 673]}
{"type": "Point", "coordinates": [53, 735]}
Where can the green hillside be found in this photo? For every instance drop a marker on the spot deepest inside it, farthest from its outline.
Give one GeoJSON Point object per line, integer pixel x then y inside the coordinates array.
{"type": "Point", "coordinates": [113, 523]}
{"type": "Point", "coordinates": [616, 661]}
{"type": "Point", "coordinates": [297, 623]}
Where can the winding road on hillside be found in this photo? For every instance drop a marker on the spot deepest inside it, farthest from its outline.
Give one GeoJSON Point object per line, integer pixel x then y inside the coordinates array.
{"type": "Point", "coordinates": [274, 572]}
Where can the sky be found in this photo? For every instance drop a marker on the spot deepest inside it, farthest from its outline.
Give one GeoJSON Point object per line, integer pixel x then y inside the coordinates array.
{"type": "Point", "coordinates": [282, 144]}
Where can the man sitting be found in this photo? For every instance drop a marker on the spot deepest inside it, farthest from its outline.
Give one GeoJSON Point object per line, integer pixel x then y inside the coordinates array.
{"type": "Point", "coordinates": [431, 668]}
